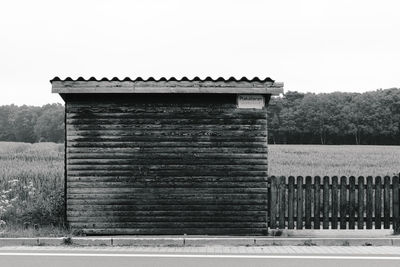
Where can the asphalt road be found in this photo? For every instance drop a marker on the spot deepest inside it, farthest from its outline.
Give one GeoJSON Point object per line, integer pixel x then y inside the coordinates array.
{"type": "Point", "coordinates": [84, 257]}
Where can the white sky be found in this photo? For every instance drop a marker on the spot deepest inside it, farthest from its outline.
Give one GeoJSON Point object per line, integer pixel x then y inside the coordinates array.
{"type": "Point", "coordinates": [311, 46]}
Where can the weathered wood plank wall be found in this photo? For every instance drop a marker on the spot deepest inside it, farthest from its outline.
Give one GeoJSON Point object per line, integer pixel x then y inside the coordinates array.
{"type": "Point", "coordinates": [164, 164]}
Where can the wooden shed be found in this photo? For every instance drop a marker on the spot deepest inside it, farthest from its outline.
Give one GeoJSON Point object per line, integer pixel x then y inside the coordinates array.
{"type": "Point", "coordinates": [166, 156]}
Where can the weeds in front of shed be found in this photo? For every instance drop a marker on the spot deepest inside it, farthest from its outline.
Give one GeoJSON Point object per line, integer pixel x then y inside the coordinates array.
{"type": "Point", "coordinates": [276, 232]}
{"type": "Point", "coordinates": [67, 241]}
{"type": "Point", "coordinates": [78, 232]}
{"type": "Point", "coordinates": [396, 228]}
{"type": "Point", "coordinates": [308, 243]}
{"type": "Point", "coordinates": [31, 188]}
{"type": "Point", "coordinates": [12, 230]}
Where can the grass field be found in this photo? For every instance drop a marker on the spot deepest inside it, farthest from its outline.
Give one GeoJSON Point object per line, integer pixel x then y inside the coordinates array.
{"type": "Point", "coordinates": [31, 177]}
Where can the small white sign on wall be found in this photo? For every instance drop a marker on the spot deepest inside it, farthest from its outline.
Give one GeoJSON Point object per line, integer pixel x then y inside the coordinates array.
{"type": "Point", "coordinates": [251, 101]}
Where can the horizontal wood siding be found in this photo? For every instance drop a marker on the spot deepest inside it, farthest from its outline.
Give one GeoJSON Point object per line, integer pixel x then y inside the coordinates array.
{"type": "Point", "coordinates": [154, 167]}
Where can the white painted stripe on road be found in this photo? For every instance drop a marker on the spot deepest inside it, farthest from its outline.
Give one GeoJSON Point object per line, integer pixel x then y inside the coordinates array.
{"type": "Point", "coordinates": [320, 257]}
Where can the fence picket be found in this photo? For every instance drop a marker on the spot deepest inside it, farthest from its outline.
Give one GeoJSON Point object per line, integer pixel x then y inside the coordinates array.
{"type": "Point", "coordinates": [360, 213]}
{"type": "Point", "coordinates": [352, 202]}
{"type": "Point", "coordinates": [291, 203]}
{"type": "Point", "coordinates": [299, 221]}
{"type": "Point", "coordinates": [343, 202]}
{"type": "Point", "coordinates": [369, 202]}
{"type": "Point", "coordinates": [317, 197]}
{"type": "Point", "coordinates": [386, 203]}
{"type": "Point", "coordinates": [395, 204]}
{"type": "Point", "coordinates": [378, 202]}
{"type": "Point", "coordinates": [282, 204]}
{"type": "Point", "coordinates": [273, 202]}
{"type": "Point", "coordinates": [308, 200]}
{"type": "Point", "coordinates": [334, 194]}
{"type": "Point", "coordinates": [325, 203]}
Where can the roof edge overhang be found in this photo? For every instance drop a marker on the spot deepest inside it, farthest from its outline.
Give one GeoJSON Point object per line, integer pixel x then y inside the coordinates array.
{"type": "Point", "coordinates": [163, 85]}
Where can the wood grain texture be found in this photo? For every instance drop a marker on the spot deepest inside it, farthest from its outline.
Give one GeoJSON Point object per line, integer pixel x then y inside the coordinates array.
{"type": "Point", "coordinates": [317, 205]}
{"type": "Point", "coordinates": [282, 202]}
{"type": "Point", "coordinates": [308, 201]}
{"type": "Point", "coordinates": [291, 202]}
{"type": "Point", "coordinates": [369, 202]}
{"type": "Point", "coordinates": [343, 202]}
{"type": "Point", "coordinates": [386, 203]}
{"type": "Point", "coordinates": [103, 215]}
{"type": "Point", "coordinates": [167, 218]}
{"type": "Point", "coordinates": [361, 204]}
{"type": "Point", "coordinates": [273, 208]}
{"type": "Point", "coordinates": [378, 202]}
{"type": "Point", "coordinates": [164, 166]}
{"type": "Point", "coordinates": [299, 200]}
{"type": "Point", "coordinates": [325, 203]}
{"type": "Point", "coordinates": [395, 204]}
{"type": "Point", "coordinates": [352, 202]}
{"type": "Point", "coordinates": [335, 202]}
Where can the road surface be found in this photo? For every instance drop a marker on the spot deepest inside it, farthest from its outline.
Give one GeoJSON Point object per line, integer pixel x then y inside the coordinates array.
{"type": "Point", "coordinates": [206, 256]}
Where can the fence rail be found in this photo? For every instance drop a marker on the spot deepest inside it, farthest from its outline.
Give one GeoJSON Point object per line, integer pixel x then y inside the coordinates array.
{"type": "Point", "coordinates": [334, 203]}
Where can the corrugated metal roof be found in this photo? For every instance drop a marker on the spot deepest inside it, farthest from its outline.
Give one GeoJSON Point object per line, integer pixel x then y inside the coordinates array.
{"type": "Point", "coordinates": [149, 85]}
{"type": "Point", "coordinates": [171, 79]}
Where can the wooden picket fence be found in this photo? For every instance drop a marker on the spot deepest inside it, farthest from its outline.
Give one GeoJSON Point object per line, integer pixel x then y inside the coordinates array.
{"type": "Point", "coordinates": [333, 203]}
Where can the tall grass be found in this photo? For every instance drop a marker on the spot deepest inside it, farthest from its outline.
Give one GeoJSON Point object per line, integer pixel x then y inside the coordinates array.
{"type": "Point", "coordinates": [31, 183]}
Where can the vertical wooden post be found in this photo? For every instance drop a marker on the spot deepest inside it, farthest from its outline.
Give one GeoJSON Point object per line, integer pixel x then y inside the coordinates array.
{"type": "Point", "coordinates": [395, 205]}
{"type": "Point", "coordinates": [291, 203]}
{"type": "Point", "coordinates": [282, 204]}
{"type": "Point", "coordinates": [273, 201]}
{"type": "Point", "coordinates": [343, 202]}
{"type": "Point", "coordinates": [335, 202]}
{"type": "Point", "coordinates": [369, 202]}
{"type": "Point", "coordinates": [386, 202]}
{"type": "Point", "coordinates": [325, 202]}
{"type": "Point", "coordinates": [317, 198]}
{"type": "Point", "coordinates": [307, 205]}
{"type": "Point", "coordinates": [360, 212]}
{"type": "Point", "coordinates": [378, 202]}
{"type": "Point", "coordinates": [299, 221]}
{"type": "Point", "coordinates": [352, 201]}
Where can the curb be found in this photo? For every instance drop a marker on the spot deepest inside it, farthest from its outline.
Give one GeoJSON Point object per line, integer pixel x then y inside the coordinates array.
{"type": "Point", "coordinates": [198, 241]}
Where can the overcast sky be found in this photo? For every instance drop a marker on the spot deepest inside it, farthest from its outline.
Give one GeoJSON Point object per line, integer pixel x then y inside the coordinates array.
{"type": "Point", "coordinates": [311, 46]}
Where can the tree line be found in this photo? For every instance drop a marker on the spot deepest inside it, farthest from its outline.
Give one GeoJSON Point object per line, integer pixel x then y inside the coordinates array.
{"type": "Point", "coordinates": [32, 124]}
{"type": "Point", "coordinates": [371, 118]}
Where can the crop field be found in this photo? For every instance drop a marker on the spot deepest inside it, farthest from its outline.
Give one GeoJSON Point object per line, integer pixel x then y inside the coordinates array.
{"type": "Point", "coordinates": [333, 160]}
{"type": "Point", "coordinates": [31, 175]}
